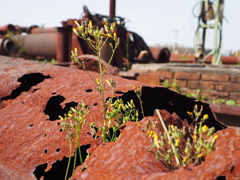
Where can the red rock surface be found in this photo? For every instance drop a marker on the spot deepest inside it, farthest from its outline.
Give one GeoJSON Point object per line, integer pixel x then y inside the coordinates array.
{"type": "Point", "coordinates": [32, 145]}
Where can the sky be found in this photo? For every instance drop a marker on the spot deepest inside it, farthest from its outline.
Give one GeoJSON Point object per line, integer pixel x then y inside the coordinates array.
{"type": "Point", "coordinates": [163, 22]}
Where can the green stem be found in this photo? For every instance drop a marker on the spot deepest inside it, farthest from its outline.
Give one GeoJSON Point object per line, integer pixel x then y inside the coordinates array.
{"type": "Point", "coordinates": [110, 60]}
{"type": "Point", "coordinates": [79, 151]}
{"type": "Point", "coordinates": [101, 90]}
{"type": "Point", "coordinates": [91, 46]}
{"type": "Point", "coordinates": [103, 44]}
{"type": "Point", "coordinates": [85, 70]}
{"type": "Point", "coordinates": [69, 160]}
{"type": "Point", "coordinates": [75, 158]}
{"type": "Point", "coordinates": [113, 136]}
{"type": "Point", "coordinates": [141, 106]}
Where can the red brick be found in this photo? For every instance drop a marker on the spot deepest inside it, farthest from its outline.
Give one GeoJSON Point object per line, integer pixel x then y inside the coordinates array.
{"type": "Point", "coordinates": [148, 78]}
{"type": "Point", "coordinates": [215, 94]}
{"type": "Point", "coordinates": [234, 95]}
{"type": "Point", "coordinates": [193, 84]}
{"type": "Point", "coordinates": [201, 85]}
{"type": "Point", "coordinates": [216, 77]}
{"type": "Point", "coordinates": [180, 83]}
{"type": "Point", "coordinates": [235, 79]}
{"type": "Point", "coordinates": [163, 74]}
{"type": "Point", "coordinates": [187, 75]}
{"type": "Point", "coordinates": [228, 87]}
{"type": "Point", "coordinates": [207, 85]}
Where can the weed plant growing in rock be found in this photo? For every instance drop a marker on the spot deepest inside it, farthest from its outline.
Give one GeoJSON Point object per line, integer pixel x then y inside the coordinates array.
{"type": "Point", "coordinates": [114, 113]}
{"type": "Point", "coordinates": [97, 39]}
{"type": "Point", "coordinates": [186, 145]}
{"type": "Point", "coordinates": [72, 124]}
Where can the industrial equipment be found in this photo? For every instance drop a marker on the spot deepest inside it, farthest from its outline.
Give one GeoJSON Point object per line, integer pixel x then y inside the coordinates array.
{"type": "Point", "coordinates": [210, 17]}
{"type": "Point", "coordinates": [56, 43]}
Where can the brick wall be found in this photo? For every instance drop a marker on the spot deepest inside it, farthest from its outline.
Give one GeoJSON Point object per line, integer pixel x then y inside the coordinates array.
{"type": "Point", "coordinates": [215, 83]}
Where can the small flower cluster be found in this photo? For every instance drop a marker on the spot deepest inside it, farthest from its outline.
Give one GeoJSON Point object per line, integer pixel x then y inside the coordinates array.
{"type": "Point", "coordinates": [186, 145]}
{"type": "Point", "coordinates": [74, 120]}
{"type": "Point", "coordinates": [95, 37]}
{"type": "Point", "coordinates": [196, 114]}
{"type": "Point", "coordinates": [199, 144]}
{"type": "Point", "coordinates": [138, 92]}
{"type": "Point", "coordinates": [72, 124]}
{"type": "Point", "coordinates": [117, 113]}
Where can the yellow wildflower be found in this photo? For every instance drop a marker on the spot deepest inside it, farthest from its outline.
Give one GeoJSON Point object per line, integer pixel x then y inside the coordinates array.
{"type": "Point", "coordinates": [200, 155]}
{"type": "Point", "coordinates": [97, 81]}
{"type": "Point", "coordinates": [205, 117]}
{"type": "Point", "coordinates": [75, 49]}
{"type": "Point", "coordinates": [70, 115]}
{"type": "Point", "coordinates": [155, 136]}
{"type": "Point", "coordinates": [215, 137]}
{"type": "Point", "coordinates": [136, 113]}
{"type": "Point", "coordinates": [105, 22]}
{"type": "Point", "coordinates": [194, 137]}
{"type": "Point", "coordinates": [74, 30]}
{"type": "Point", "coordinates": [204, 128]}
{"type": "Point", "coordinates": [185, 159]}
{"type": "Point", "coordinates": [90, 24]}
{"type": "Point", "coordinates": [190, 114]}
{"type": "Point", "coordinates": [60, 117]}
{"type": "Point", "coordinates": [177, 142]}
{"type": "Point", "coordinates": [172, 127]}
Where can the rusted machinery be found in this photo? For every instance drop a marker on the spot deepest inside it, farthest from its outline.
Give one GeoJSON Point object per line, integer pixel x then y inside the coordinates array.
{"type": "Point", "coordinates": [57, 43]}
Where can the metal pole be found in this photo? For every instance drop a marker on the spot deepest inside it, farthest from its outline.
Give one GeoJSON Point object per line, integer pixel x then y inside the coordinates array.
{"type": "Point", "coordinates": [112, 7]}
{"type": "Point", "coordinates": [216, 28]}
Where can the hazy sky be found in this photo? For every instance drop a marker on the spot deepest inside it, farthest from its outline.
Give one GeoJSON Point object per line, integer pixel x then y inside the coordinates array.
{"type": "Point", "coordinates": [157, 21]}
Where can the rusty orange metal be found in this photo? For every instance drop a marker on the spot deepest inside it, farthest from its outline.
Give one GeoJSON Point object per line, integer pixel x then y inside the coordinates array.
{"type": "Point", "coordinates": [32, 144]}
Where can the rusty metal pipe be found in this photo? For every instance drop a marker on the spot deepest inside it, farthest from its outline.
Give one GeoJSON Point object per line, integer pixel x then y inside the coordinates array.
{"type": "Point", "coordinates": [226, 60]}
{"type": "Point", "coordinates": [160, 55]}
{"type": "Point", "coordinates": [6, 46]}
{"type": "Point", "coordinates": [112, 7]}
{"type": "Point", "coordinates": [37, 30]}
{"type": "Point", "coordinates": [62, 51]}
{"type": "Point", "coordinates": [9, 27]}
{"type": "Point", "coordinates": [189, 58]}
{"type": "Point", "coordinates": [39, 44]}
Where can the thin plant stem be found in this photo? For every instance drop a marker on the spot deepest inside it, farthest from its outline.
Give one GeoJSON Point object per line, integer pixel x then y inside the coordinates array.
{"type": "Point", "coordinates": [69, 160]}
{"type": "Point", "coordinates": [79, 151]}
{"type": "Point", "coordinates": [103, 44]}
{"type": "Point", "coordinates": [101, 90]}
{"type": "Point", "coordinates": [110, 60]}
{"type": "Point", "coordinates": [75, 159]}
{"type": "Point", "coordinates": [169, 138]}
{"type": "Point", "coordinates": [86, 70]}
{"type": "Point", "coordinates": [141, 107]}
